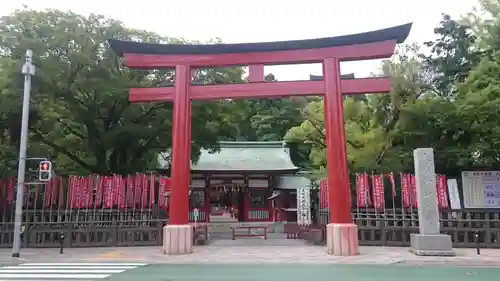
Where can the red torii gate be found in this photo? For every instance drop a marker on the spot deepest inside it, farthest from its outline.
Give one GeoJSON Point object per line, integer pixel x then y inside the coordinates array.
{"type": "Point", "coordinates": [341, 232]}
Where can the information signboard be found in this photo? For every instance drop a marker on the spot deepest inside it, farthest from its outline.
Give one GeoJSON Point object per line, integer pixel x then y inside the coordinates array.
{"type": "Point", "coordinates": [481, 189]}
{"type": "Point", "coordinates": [303, 205]}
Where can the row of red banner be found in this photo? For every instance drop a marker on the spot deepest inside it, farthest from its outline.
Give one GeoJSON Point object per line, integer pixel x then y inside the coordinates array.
{"type": "Point", "coordinates": [372, 195]}
{"type": "Point", "coordinates": [72, 192]}
{"type": "Point", "coordinates": [139, 191]}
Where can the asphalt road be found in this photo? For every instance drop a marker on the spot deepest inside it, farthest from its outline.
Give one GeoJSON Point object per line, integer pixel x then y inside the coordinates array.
{"type": "Point", "coordinates": [308, 272]}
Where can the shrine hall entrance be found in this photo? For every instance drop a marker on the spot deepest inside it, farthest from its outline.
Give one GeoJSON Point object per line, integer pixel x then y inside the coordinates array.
{"type": "Point", "coordinates": [227, 203]}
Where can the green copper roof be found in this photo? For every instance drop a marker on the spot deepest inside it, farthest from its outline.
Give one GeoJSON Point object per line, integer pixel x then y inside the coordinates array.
{"type": "Point", "coordinates": [246, 156]}
{"type": "Point", "coordinates": [241, 156]}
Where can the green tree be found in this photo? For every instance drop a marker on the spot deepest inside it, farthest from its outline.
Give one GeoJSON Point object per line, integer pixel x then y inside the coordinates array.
{"type": "Point", "coordinates": [80, 94]}
{"type": "Point", "coordinates": [452, 55]}
{"type": "Point", "coordinates": [371, 121]}
{"type": "Point", "coordinates": [479, 105]}
{"type": "Point", "coordinates": [263, 119]}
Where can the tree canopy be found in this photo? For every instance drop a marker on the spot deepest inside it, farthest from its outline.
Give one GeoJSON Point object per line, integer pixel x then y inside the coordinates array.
{"type": "Point", "coordinates": [445, 95]}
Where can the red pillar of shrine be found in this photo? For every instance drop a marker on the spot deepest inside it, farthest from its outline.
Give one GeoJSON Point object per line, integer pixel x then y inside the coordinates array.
{"type": "Point", "coordinates": [342, 234]}
{"type": "Point", "coordinates": [338, 178]}
{"type": "Point", "coordinates": [180, 173]}
{"type": "Point", "coordinates": [178, 234]}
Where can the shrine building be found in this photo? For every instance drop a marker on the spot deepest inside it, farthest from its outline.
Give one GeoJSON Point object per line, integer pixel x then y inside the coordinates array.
{"type": "Point", "coordinates": [246, 181]}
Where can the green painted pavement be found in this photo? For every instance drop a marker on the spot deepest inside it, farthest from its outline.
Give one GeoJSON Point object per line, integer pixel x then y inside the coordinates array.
{"type": "Point", "coordinates": [307, 272]}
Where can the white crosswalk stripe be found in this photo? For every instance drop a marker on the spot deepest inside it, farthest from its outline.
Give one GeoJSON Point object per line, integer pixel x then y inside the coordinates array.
{"type": "Point", "coordinates": [63, 271]}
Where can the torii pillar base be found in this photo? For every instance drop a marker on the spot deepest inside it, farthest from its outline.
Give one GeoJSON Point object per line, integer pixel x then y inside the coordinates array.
{"type": "Point", "coordinates": [342, 239]}
{"type": "Point", "coordinates": [178, 239]}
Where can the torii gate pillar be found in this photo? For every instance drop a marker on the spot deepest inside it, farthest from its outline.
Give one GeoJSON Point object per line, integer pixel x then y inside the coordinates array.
{"type": "Point", "coordinates": [341, 233]}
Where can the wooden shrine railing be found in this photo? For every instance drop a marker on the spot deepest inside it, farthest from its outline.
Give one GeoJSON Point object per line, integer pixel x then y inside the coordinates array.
{"type": "Point", "coordinates": [390, 228]}
{"type": "Point", "coordinates": [393, 227]}
{"type": "Point", "coordinates": [88, 234]}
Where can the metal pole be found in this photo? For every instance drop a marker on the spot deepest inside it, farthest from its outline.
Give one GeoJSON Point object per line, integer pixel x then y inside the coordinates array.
{"type": "Point", "coordinates": [28, 70]}
{"type": "Point", "coordinates": [476, 239]}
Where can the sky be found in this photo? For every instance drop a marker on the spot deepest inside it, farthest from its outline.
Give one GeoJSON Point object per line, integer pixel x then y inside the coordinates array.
{"type": "Point", "coordinates": [236, 21]}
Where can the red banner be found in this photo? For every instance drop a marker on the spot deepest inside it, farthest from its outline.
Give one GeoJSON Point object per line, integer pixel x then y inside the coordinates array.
{"type": "Point", "coordinates": [393, 184]}
{"type": "Point", "coordinates": [82, 192]}
{"type": "Point", "coordinates": [47, 198]}
{"type": "Point", "coordinates": [152, 188]}
{"type": "Point", "coordinates": [378, 192]}
{"type": "Point", "coordinates": [323, 194]}
{"type": "Point", "coordinates": [165, 184]}
{"type": "Point", "coordinates": [137, 190]}
{"type": "Point", "coordinates": [54, 188]}
{"type": "Point", "coordinates": [99, 192]}
{"type": "Point", "coordinates": [79, 192]}
{"type": "Point", "coordinates": [413, 185]}
{"type": "Point", "coordinates": [92, 185]}
{"type": "Point", "coordinates": [405, 190]}
{"type": "Point", "coordinates": [73, 192]}
{"type": "Point", "coordinates": [10, 190]}
{"type": "Point", "coordinates": [441, 191]}
{"type": "Point", "coordinates": [362, 190]}
{"type": "Point", "coordinates": [61, 193]}
{"type": "Point", "coordinates": [91, 182]}
{"type": "Point", "coordinates": [366, 180]}
{"type": "Point", "coordinates": [130, 190]}
{"type": "Point", "coordinates": [109, 191]}
{"type": "Point", "coordinates": [145, 189]}
{"type": "Point", "coordinates": [119, 184]}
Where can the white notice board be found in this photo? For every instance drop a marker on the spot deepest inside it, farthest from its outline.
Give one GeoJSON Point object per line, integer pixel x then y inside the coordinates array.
{"type": "Point", "coordinates": [481, 189]}
{"type": "Point", "coordinates": [453, 194]}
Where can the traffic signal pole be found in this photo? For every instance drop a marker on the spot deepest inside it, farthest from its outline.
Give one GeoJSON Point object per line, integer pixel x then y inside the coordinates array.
{"type": "Point", "coordinates": [28, 70]}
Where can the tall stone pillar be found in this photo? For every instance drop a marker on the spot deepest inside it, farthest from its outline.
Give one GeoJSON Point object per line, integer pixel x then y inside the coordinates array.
{"type": "Point", "coordinates": [429, 241]}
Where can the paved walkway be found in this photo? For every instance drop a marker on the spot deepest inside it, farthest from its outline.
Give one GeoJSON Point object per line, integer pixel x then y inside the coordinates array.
{"type": "Point", "coordinates": [301, 254]}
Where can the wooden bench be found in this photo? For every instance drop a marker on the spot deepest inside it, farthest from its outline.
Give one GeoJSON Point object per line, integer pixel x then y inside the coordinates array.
{"type": "Point", "coordinates": [249, 231]}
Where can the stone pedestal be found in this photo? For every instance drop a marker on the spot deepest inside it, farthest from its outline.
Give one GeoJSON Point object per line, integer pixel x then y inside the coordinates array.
{"type": "Point", "coordinates": [431, 245]}
{"type": "Point", "coordinates": [178, 239]}
{"type": "Point", "coordinates": [342, 239]}
{"type": "Point", "coordinates": [429, 241]}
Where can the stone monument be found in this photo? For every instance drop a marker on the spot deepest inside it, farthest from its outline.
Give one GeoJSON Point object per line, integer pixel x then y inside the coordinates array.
{"type": "Point", "coordinates": [429, 241]}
